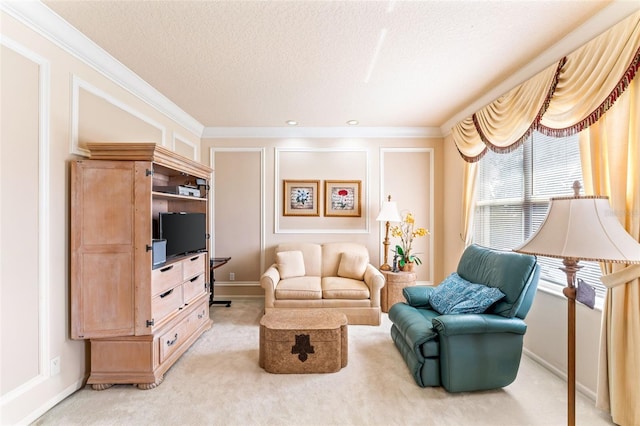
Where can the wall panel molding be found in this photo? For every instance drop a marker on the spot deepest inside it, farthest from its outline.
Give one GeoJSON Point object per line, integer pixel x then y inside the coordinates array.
{"type": "Point", "coordinates": [212, 162]}
{"type": "Point", "coordinates": [178, 137]}
{"type": "Point", "coordinates": [78, 83]}
{"type": "Point", "coordinates": [383, 195]}
{"type": "Point", "coordinates": [364, 200]}
{"type": "Point", "coordinates": [44, 226]}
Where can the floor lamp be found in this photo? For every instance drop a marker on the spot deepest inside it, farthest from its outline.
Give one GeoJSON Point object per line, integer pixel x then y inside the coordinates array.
{"type": "Point", "coordinates": [580, 228]}
{"type": "Point", "coordinates": [388, 213]}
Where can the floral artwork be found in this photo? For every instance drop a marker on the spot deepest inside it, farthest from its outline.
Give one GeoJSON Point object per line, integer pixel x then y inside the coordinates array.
{"type": "Point", "coordinates": [301, 198]}
{"type": "Point", "coordinates": [342, 198]}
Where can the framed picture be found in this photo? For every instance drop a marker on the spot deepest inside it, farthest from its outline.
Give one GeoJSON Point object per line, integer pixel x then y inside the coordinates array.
{"type": "Point", "coordinates": [301, 198]}
{"type": "Point", "coordinates": [342, 198]}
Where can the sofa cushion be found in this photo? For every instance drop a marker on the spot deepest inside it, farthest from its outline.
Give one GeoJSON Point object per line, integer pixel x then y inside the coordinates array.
{"type": "Point", "coordinates": [455, 295]}
{"type": "Point", "coordinates": [344, 288]}
{"type": "Point", "coordinates": [290, 264]}
{"type": "Point", "coordinates": [352, 266]}
{"type": "Point", "coordinates": [311, 252]}
{"type": "Point", "coordinates": [299, 288]}
{"type": "Point", "coordinates": [332, 255]}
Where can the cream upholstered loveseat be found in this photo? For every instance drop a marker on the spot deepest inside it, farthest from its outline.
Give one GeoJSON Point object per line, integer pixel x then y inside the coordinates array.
{"type": "Point", "coordinates": [336, 276]}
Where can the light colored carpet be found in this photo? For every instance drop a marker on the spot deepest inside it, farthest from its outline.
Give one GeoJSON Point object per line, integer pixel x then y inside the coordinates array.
{"type": "Point", "coordinates": [218, 382]}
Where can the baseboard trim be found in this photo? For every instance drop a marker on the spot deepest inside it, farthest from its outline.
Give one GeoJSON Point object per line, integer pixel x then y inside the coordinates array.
{"type": "Point", "coordinates": [48, 405]}
{"type": "Point", "coordinates": [589, 393]}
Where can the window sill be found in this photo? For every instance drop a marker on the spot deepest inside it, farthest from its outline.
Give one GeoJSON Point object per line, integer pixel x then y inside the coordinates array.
{"type": "Point", "coordinates": [556, 290]}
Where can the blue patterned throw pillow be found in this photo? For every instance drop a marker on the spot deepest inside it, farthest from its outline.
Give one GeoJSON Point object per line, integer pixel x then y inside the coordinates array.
{"type": "Point", "coordinates": [455, 295]}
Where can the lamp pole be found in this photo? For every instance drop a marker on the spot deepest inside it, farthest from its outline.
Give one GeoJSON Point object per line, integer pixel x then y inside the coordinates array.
{"type": "Point", "coordinates": [388, 213]}
{"type": "Point", "coordinates": [570, 268]}
{"type": "Point", "coordinates": [580, 228]}
{"type": "Point", "coordinates": [385, 266]}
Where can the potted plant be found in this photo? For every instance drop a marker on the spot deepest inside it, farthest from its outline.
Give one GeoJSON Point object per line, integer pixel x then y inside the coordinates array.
{"type": "Point", "coordinates": [406, 231]}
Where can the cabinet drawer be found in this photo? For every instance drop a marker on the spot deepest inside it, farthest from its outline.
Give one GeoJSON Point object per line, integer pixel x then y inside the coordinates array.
{"type": "Point", "coordinates": [193, 287]}
{"type": "Point", "coordinates": [163, 279]}
{"type": "Point", "coordinates": [193, 265]}
{"type": "Point", "coordinates": [166, 303]}
{"type": "Point", "coordinates": [174, 338]}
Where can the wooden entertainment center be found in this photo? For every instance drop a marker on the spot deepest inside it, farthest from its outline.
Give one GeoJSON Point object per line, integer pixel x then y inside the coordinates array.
{"type": "Point", "coordinates": [139, 319]}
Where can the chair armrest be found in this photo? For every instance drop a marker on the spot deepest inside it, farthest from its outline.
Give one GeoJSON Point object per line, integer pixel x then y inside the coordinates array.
{"type": "Point", "coordinates": [418, 296]}
{"type": "Point", "coordinates": [374, 279]}
{"type": "Point", "coordinates": [413, 325]}
{"type": "Point", "coordinates": [454, 325]}
{"type": "Point", "coordinates": [269, 281]}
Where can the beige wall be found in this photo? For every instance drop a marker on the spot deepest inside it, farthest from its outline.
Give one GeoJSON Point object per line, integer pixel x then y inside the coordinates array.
{"type": "Point", "coordinates": [249, 170]}
{"type": "Point", "coordinates": [52, 103]}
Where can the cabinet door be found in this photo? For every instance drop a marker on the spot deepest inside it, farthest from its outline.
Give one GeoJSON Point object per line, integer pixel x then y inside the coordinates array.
{"type": "Point", "coordinates": [142, 250]}
{"type": "Point", "coordinates": [103, 210]}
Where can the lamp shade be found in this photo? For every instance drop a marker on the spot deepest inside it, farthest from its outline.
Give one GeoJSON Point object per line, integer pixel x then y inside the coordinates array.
{"type": "Point", "coordinates": [389, 212]}
{"type": "Point", "coordinates": [582, 228]}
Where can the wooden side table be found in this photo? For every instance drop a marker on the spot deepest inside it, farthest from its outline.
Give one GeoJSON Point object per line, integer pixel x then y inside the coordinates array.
{"type": "Point", "coordinates": [392, 290]}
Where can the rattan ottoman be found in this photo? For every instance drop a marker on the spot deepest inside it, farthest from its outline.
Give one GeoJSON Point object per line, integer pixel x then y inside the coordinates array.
{"type": "Point", "coordinates": [303, 341]}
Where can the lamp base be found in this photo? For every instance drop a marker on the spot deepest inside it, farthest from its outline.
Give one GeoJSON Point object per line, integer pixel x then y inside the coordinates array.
{"type": "Point", "coordinates": [385, 267]}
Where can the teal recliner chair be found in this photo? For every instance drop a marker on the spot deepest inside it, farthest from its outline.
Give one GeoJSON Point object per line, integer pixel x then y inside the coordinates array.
{"type": "Point", "coordinates": [466, 334]}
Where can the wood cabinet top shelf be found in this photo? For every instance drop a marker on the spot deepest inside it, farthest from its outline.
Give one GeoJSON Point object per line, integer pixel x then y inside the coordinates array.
{"type": "Point", "coordinates": [147, 151]}
{"type": "Point", "coordinates": [167, 196]}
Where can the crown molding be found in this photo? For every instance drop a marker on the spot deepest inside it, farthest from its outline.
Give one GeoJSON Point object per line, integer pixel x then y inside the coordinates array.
{"type": "Point", "coordinates": [50, 25]}
{"type": "Point", "coordinates": [320, 132]}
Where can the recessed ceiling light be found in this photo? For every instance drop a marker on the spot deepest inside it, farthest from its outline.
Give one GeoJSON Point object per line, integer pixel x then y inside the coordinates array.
{"type": "Point", "coordinates": [292, 122]}
{"type": "Point", "coordinates": [353, 122]}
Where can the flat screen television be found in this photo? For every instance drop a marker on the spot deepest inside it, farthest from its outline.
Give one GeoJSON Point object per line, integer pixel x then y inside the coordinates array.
{"type": "Point", "coordinates": [184, 232]}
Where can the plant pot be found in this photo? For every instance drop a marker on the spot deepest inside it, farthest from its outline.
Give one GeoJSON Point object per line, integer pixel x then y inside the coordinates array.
{"type": "Point", "coordinates": [408, 267]}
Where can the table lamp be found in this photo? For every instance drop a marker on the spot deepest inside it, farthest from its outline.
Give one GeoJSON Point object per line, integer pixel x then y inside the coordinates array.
{"type": "Point", "coordinates": [580, 228]}
{"type": "Point", "coordinates": [388, 213]}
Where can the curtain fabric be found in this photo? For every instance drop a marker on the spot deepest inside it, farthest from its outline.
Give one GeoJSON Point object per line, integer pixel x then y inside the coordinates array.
{"type": "Point", "coordinates": [563, 99]}
{"type": "Point", "coordinates": [468, 201]}
{"type": "Point", "coordinates": [468, 141]}
{"type": "Point", "coordinates": [592, 78]}
{"type": "Point", "coordinates": [610, 150]}
{"type": "Point", "coordinates": [507, 122]}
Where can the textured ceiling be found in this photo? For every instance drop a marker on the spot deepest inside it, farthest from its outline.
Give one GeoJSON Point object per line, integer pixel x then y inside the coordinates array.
{"type": "Point", "coordinates": [260, 63]}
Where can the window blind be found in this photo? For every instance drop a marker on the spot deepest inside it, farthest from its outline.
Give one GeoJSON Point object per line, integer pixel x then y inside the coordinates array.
{"type": "Point", "coordinates": [512, 198]}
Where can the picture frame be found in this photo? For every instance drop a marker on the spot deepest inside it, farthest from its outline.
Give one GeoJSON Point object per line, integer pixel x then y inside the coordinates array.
{"type": "Point", "coordinates": [342, 198]}
{"type": "Point", "coordinates": [301, 198]}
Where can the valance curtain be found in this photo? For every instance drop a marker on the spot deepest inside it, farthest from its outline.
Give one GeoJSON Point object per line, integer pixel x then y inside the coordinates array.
{"type": "Point", "coordinates": [563, 99]}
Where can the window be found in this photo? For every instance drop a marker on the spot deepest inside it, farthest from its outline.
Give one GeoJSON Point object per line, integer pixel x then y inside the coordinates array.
{"type": "Point", "coordinates": [512, 198]}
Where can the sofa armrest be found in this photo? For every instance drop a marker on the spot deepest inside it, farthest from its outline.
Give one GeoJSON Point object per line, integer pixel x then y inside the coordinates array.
{"type": "Point", "coordinates": [454, 325]}
{"type": "Point", "coordinates": [374, 279]}
{"type": "Point", "coordinates": [269, 281]}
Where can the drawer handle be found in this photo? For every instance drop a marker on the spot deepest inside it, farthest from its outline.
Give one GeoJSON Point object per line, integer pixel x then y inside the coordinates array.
{"type": "Point", "coordinates": [166, 293]}
{"type": "Point", "coordinates": [195, 258]}
{"type": "Point", "coordinates": [200, 316]}
{"type": "Point", "coordinates": [194, 278]}
{"type": "Point", "coordinates": [166, 269]}
{"type": "Point", "coordinates": [172, 342]}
